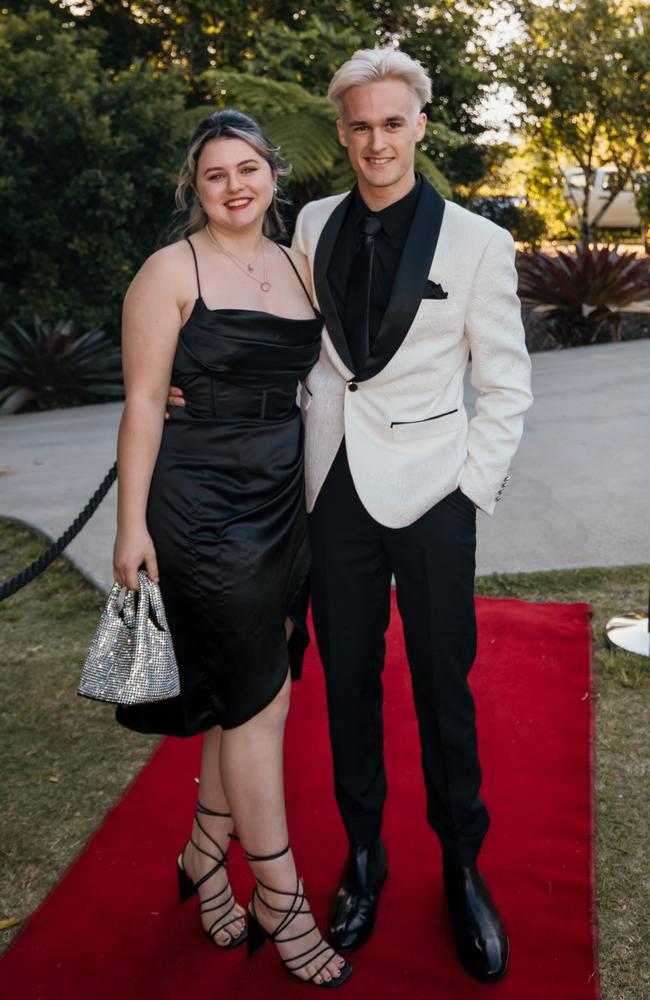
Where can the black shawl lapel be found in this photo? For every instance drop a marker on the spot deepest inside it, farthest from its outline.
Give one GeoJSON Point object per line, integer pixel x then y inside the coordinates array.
{"type": "Point", "coordinates": [322, 257]}
{"type": "Point", "coordinates": [410, 279]}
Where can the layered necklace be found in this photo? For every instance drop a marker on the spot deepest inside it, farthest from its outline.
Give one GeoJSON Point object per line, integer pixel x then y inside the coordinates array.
{"type": "Point", "coordinates": [247, 268]}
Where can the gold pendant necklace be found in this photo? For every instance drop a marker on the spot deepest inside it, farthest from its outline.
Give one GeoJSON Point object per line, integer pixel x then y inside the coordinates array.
{"type": "Point", "coordinates": [248, 269]}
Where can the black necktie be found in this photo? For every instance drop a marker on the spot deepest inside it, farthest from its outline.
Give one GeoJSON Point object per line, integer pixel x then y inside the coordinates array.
{"type": "Point", "coordinates": [357, 299]}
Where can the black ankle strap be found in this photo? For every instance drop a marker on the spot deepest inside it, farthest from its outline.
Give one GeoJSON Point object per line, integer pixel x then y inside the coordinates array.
{"type": "Point", "coordinates": [267, 857]}
{"type": "Point", "coordinates": [204, 811]}
{"type": "Point", "coordinates": [220, 857]}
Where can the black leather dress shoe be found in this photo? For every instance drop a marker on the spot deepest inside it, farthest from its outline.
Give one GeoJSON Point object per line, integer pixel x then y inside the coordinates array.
{"type": "Point", "coordinates": [353, 912]}
{"type": "Point", "coordinates": [480, 935]}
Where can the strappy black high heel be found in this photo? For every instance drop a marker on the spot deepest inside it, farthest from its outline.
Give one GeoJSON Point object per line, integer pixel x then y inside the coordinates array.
{"type": "Point", "coordinates": [222, 907]}
{"type": "Point", "coordinates": [257, 935]}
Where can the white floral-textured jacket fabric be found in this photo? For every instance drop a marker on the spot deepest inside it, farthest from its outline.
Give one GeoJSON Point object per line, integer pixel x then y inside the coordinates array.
{"type": "Point", "coordinates": [408, 439]}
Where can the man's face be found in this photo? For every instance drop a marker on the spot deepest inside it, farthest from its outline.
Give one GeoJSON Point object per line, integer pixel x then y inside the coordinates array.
{"type": "Point", "coordinates": [380, 126]}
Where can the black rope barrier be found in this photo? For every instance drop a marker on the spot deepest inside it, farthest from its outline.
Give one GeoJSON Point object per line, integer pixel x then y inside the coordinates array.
{"type": "Point", "coordinates": [21, 579]}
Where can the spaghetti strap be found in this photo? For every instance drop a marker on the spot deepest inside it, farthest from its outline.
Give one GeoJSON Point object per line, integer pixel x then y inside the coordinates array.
{"type": "Point", "coordinates": [196, 265]}
{"type": "Point", "coordinates": [297, 273]}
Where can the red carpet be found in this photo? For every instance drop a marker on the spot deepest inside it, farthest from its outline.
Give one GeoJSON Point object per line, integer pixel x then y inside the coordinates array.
{"type": "Point", "coordinates": [112, 930]}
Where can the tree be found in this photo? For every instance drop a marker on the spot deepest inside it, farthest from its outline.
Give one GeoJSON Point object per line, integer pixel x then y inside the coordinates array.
{"type": "Point", "coordinates": [643, 206]}
{"type": "Point", "coordinates": [580, 69]}
{"type": "Point", "coordinates": [310, 46]}
{"type": "Point", "coordinates": [263, 36]}
{"type": "Point", "coordinates": [89, 158]}
{"type": "Point", "coordinates": [287, 42]}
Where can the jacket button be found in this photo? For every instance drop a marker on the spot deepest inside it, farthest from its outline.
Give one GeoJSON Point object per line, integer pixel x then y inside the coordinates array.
{"type": "Point", "coordinates": [352, 386]}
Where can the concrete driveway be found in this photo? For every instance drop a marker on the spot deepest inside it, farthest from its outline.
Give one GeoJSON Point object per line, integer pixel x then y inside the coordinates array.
{"type": "Point", "coordinates": [579, 493]}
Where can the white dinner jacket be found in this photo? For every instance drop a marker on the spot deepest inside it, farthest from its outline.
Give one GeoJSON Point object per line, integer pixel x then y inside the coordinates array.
{"type": "Point", "coordinates": [407, 435]}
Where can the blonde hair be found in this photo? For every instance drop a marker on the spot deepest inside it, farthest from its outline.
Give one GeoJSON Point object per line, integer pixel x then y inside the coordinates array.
{"type": "Point", "coordinates": [368, 65]}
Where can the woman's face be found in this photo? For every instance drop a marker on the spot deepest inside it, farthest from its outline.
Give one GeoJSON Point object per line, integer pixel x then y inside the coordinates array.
{"type": "Point", "coordinates": [234, 184]}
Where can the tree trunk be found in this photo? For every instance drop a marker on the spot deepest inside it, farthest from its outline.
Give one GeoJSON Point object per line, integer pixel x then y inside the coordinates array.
{"type": "Point", "coordinates": [586, 229]}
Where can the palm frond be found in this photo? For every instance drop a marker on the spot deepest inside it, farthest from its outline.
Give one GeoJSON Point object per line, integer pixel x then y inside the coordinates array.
{"type": "Point", "coordinates": [308, 142]}
{"type": "Point", "coordinates": [248, 92]}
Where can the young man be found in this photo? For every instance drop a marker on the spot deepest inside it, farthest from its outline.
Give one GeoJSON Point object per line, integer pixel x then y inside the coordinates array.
{"type": "Point", "coordinates": [408, 284]}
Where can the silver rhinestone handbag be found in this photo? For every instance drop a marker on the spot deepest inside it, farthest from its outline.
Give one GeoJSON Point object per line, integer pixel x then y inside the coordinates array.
{"type": "Point", "coordinates": [131, 659]}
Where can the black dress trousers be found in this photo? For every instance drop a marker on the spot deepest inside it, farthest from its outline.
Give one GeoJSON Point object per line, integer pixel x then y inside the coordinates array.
{"type": "Point", "coordinates": [433, 561]}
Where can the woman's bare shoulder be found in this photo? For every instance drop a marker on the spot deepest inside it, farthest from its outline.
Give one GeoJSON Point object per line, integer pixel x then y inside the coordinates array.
{"type": "Point", "coordinates": [166, 262]}
{"type": "Point", "coordinates": [168, 271]}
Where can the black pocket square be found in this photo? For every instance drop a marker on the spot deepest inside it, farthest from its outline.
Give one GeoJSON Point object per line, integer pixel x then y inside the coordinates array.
{"type": "Point", "coordinates": [432, 290]}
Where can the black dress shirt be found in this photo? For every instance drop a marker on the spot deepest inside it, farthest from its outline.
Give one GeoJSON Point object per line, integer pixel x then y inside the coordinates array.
{"type": "Point", "coordinates": [389, 243]}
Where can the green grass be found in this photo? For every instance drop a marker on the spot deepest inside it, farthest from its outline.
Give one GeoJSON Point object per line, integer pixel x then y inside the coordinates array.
{"type": "Point", "coordinates": [65, 761]}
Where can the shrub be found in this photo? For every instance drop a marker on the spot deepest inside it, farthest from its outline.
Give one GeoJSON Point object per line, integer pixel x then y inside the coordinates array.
{"type": "Point", "coordinates": [88, 160]}
{"type": "Point", "coordinates": [524, 223]}
{"type": "Point", "coordinates": [46, 367]}
{"type": "Point", "coordinates": [584, 291]}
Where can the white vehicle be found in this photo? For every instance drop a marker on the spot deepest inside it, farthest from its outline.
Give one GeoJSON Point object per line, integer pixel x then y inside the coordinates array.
{"type": "Point", "coordinates": [621, 213]}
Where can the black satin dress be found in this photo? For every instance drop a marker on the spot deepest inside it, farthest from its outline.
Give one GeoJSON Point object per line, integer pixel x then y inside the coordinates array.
{"type": "Point", "coordinates": [227, 516]}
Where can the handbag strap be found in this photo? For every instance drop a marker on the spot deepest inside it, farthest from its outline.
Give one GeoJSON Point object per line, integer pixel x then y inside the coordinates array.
{"type": "Point", "coordinates": [155, 597]}
{"type": "Point", "coordinates": [125, 608]}
{"type": "Point", "coordinates": [138, 605]}
{"type": "Point", "coordinates": [142, 597]}
{"type": "Point", "coordinates": [128, 609]}
{"type": "Point", "coordinates": [150, 602]}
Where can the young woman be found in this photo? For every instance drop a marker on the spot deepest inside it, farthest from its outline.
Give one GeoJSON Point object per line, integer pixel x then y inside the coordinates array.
{"type": "Point", "coordinates": [211, 502]}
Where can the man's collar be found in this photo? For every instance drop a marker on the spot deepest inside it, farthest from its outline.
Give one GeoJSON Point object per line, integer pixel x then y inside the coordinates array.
{"type": "Point", "coordinates": [394, 217]}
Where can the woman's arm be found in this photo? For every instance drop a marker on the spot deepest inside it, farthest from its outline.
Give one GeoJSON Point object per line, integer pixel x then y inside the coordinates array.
{"type": "Point", "coordinates": [150, 324]}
